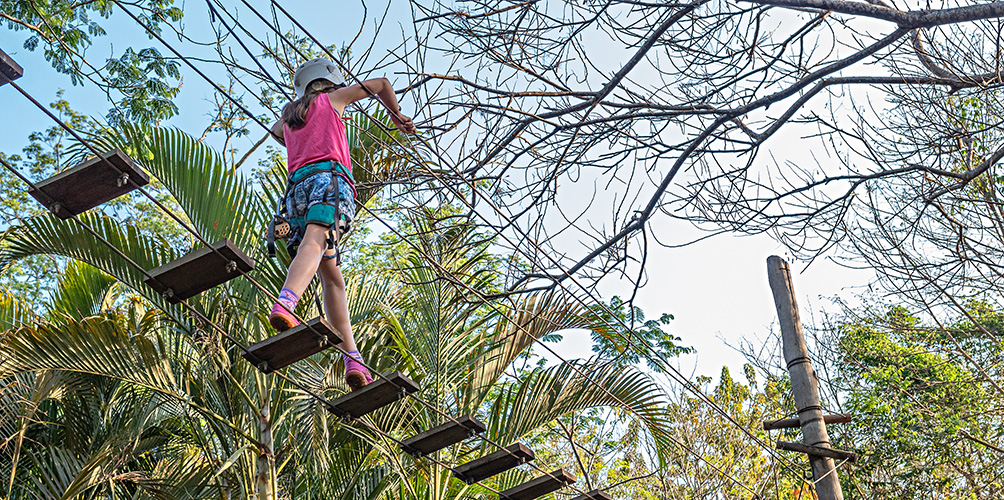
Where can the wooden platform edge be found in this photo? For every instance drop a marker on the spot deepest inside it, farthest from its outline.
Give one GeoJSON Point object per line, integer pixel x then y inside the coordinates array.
{"type": "Point", "coordinates": [318, 328]}
{"type": "Point", "coordinates": [548, 483]}
{"type": "Point", "coordinates": [519, 451]}
{"type": "Point", "coordinates": [793, 423]}
{"type": "Point", "coordinates": [594, 495]}
{"type": "Point", "coordinates": [405, 385]}
{"type": "Point", "coordinates": [818, 451]}
{"type": "Point", "coordinates": [9, 69]}
{"type": "Point", "coordinates": [469, 422]}
{"type": "Point", "coordinates": [52, 192]}
{"type": "Point", "coordinates": [220, 245]}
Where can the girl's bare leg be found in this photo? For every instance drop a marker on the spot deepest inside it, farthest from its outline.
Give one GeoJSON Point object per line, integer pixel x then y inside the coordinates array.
{"type": "Point", "coordinates": [301, 271]}
{"type": "Point", "coordinates": [307, 259]}
{"type": "Point", "coordinates": [336, 306]}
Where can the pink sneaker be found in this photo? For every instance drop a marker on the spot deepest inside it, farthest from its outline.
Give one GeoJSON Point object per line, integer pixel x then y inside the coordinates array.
{"type": "Point", "coordinates": [280, 319]}
{"type": "Point", "coordinates": [356, 375]}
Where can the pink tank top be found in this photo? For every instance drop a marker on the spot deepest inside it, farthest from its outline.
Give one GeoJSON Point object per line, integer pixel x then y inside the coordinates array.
{"type": "Point", "coordinates": [323, 138]}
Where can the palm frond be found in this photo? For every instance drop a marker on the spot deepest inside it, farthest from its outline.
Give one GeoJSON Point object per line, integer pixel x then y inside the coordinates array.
{"type": "Point", "coordinates": [47, 235]}
{"type": "Point", "coordinates": [517, 328]}
{"type": "Point", "coordinates": [548, 393]}
{"type": "Point", "coordinates": [95, 345]}
{"type": "Point", "coordinates": [187, 476]}
{"type": "Point", "coordinates": [80, 292]}
{"type": "Point", "coordinates": [218, 201]}
{"type": "Point", "coordinates": [58, 471]}
{"type": "Point", "coordinates": [367, 296]}
{"type": "Point", "coordinates": [14, 312]}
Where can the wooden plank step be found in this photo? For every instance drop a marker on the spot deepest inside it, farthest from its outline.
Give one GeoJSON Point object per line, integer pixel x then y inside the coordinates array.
{"type": "Point", "coordinates": [594, 495]}
{"type": "Point", "coordinates": [818, 451]}
{"type": "Point", "coordinates": [9, 70]}
{"type": "Point", "coordinates": [290, 346]}
{"type": "Point", "coordinates": [442, 436]}
{"type": "Point", "coordinates": [380, 393]}
{"type": "Point", "coordinates": [495, 463]}
{"type": "Point", "coordinates": [538, 487]}
{"type": "Point", "coordinates": [199, 271]}
{"type": "Point", "coordinates": [89, 184]}
{"type": "Point", "coordinates": [794, 423]}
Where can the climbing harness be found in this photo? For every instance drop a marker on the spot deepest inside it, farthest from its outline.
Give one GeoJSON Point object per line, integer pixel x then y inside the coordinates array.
{"type": "Point", "coordinates": [280, 226]}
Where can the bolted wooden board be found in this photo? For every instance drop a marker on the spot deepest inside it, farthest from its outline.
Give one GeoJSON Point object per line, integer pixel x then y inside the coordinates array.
{"type": "Point", "coordinates": [290, 346]}
{"type": "Point", "coordinates": [594, 495]}
{"type": "Point", "coordinates": [89, 184]}
{"type": "Point", "coordinates": [538, 487]}
{"type": "Point", "coordinates": [442, 436]}
{"type": "Point", "coordinates": [818, 451]}
{"type": "Point", "coordinates": [794, 423]}
{"type": "Point", "coordinates": [9, 70]}
{"type": "Point", "coordinates": [495, 463]}
{"type": "Point", "coordinates": [199, 271]}
{"type": "Point", "coordinates": [376, 395]}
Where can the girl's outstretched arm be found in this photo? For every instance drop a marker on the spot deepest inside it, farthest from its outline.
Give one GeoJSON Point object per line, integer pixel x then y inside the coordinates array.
{"type": "Point", "coordinates": [277, 133]}
{"type": "Point", "coordinates": [342, 97]}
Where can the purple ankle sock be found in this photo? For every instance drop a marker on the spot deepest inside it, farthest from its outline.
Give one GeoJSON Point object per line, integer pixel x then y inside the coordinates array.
{"type": "Point", "coordinates": [288, 298]}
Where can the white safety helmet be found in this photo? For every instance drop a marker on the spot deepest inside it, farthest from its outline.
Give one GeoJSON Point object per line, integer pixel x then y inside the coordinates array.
{"type": "Point", "coordinates": [315, 69]}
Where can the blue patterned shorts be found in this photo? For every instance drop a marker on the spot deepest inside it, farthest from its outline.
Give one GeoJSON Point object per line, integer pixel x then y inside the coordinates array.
{"type": "Point", "coordinates": [310, 202]}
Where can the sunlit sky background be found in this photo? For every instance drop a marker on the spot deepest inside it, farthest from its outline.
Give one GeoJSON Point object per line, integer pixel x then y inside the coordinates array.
{"type": "Point", "coordinates": [717, 288]}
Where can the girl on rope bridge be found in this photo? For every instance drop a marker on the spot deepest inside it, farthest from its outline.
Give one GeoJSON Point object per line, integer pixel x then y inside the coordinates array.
{"type": "Point", "coordinates": [320, 193]}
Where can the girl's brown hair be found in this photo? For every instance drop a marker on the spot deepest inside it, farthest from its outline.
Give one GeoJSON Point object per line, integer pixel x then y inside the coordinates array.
{"type": "Point", "coordinates": [295, 113]}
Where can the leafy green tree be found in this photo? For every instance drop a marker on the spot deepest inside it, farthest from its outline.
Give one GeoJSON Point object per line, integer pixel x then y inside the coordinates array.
{"type": "Point", "coordinates": [141, 83]}
{"type": "Point", "coordinates": [51, 151]}
{"type": "Point", "coordinates": [628, 336]}
{"type": "Point", "coordinates": [709, 458]}
{"type": "Point", "coordinates": [44, 155]}
{"type": "Point", "coordinates": [924, 400]}
{"type": "Point", "coordinates": [80, 434]}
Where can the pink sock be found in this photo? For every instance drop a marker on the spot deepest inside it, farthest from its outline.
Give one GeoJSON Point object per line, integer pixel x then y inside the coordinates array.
{"type": "Point", "coordinates": [288, 299]}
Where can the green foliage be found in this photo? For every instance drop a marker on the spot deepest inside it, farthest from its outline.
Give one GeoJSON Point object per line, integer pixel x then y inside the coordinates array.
{"type": "Point", "coordinates": [83, 291]}
{"type": "Point", "coordinates": [65, 29]}
{"type": "Point", "coordinates": [639, 339]}
{"type": "Point", "coordinates": [920, 406]}
{"type": "Point", "coordinates": [723, 446]}
{"type": "Point", "coordinates": [142, 77]}
{"type": "Point", "coordinates": [46, 153]}
{"type": "Point", "coordinates": [708, 456]}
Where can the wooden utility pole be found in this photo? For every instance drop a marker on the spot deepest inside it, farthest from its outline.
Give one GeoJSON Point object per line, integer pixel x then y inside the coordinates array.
{"type": "Point", "coordinates": [803, 383]}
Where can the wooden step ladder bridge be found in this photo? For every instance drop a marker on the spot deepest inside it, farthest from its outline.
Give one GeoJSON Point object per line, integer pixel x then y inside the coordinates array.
{"type": "Point", "coordinates": [113, 174]}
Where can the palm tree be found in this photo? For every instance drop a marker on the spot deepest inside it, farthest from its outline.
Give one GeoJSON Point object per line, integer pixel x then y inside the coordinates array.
{"type": "Point", "coordinates": [170, 408]}
{"type": "Point", "coordinates": [464, 354]}
{"type": "Point", "coordinates": [80, 432]}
